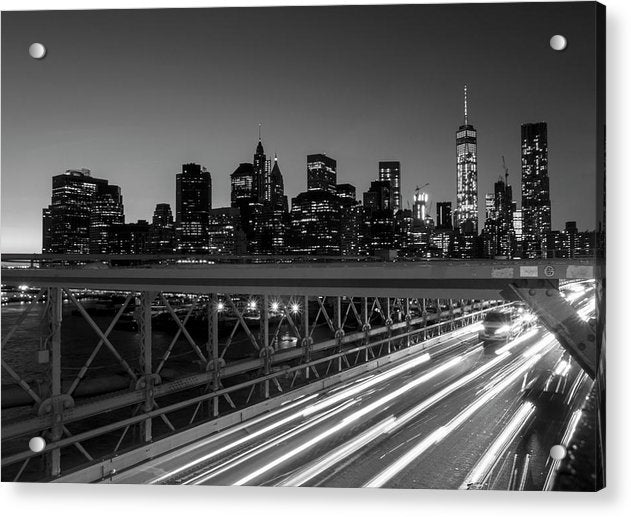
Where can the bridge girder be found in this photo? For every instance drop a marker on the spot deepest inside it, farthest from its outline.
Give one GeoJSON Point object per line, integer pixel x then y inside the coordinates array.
{"type": "Point", "coordinates": [576, 334]}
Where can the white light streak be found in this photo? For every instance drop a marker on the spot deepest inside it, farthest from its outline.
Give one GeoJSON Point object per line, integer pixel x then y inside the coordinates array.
{"type": "Point", "coordinates": [440, 433]}
{"type": "Point", "coordinates": [498, 448]}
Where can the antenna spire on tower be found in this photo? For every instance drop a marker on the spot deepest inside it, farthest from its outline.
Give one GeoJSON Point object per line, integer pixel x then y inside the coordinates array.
{"type": "Point", "coordinates": [465, 106]}
{"type": "Point", "coordinates": [260, 131]}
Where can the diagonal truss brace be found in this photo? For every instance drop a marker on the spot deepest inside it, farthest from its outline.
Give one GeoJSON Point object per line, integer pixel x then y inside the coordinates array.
{"type": "Point", "coordinates": [577, 336]}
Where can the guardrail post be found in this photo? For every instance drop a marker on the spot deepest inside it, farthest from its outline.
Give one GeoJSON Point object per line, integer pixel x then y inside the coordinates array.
{"type": "Point", "coordinates": [145, 358]}
{"type": "Point", "coordinates": [214, 309]}
{"type": "Point", "coordinates": [408, 319]}
{"type": "Point", "coordinates": [439, 313]}
{"type": "Point", "coordinates": [366, 327]}
{"type": "Point", "coordinates": [306, 340]}
{"type": "Point", "coordinates": [265, 339]}
{"type": "Point", "coordinates": [388, 324]}
{"type": "Point", "coordinates": [339, 331]}
{"type": "Point", "coordinates": [55, 315]}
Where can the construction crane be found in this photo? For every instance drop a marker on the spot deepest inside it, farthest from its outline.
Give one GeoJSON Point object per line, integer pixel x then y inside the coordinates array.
{"type": "Point", "coordinates": [505, 170]}
{"type": "Point", "coordinates": [421, 187]}
{"type": "Point", "coordinates": [416, 191]}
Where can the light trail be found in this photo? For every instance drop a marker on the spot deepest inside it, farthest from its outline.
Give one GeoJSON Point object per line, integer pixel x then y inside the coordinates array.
{"type": "Point", "coordinates": [310, 471]}
{"type": "Point", "coordinates": [360, 387]}
{"type": "Point", "coordinates": [340, 394]}
{"type": "Point", "coordinates": [344, 392]}
{"type": "Point", "coordinates": [488, 461]}
{"type": "Point", "coordinates": [229, 432]}
{"type": "Point", "coordinates": [324, 404]}
{"type": "Point", "coordinates": [353, 417]}
{"type": "Point", "coordinates": [337, 455]}
{"type": "Point", "coordinates": [565, 441]}
{"type": "Point", "coordinates": [440, 433]}
{"type": "Point", "coordinates": [275, 441]}
{"type": "Point", "coordinates": [515, 342]}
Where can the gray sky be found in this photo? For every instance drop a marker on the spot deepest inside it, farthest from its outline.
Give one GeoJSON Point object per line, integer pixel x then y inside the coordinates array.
{"type": "Point", "coordinates": [132, 95]}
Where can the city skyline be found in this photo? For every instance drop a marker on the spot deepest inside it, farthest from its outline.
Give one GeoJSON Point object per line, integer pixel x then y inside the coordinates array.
{"type": "Point", "coordinates": [358, 123]}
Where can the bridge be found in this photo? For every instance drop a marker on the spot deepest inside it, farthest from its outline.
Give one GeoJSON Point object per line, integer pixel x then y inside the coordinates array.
{"type": "Point", "coordinates": [257, 334]}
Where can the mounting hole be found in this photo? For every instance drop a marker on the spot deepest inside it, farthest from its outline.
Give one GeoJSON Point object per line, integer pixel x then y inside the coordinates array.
{"type": "Point", "coordinates": [558, 42]}
{"type": "Point", "coordinates": [37, 50]}
{"type": "Point", "coordinates": [558, 452]}
{"type": "Point", "coordinates": [37, 444]}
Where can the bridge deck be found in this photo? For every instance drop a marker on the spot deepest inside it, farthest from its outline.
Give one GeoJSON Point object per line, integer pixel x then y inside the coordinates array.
{"type": "Point", "coordinates": [440, 279]}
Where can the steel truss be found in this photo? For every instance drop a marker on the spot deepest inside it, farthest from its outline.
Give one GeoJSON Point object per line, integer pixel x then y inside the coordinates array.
{"type": "Point", "coordinates": [242, 357]}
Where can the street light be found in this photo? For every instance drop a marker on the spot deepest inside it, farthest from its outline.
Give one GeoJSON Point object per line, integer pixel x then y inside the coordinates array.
{"type": "Point", "coordinates": [295, 308]}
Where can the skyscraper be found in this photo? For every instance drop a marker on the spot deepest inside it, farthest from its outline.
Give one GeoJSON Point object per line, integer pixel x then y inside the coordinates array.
{"type": "Point", "coordinates": [107, 210]}
{"type": "Point", "coordinates": [162, 215]}
{"type": "Point", "coordinates": [242, 184]}
{"type": "Point", "coordinates": [391, 171]}
{"type": "Point", "coordinates": [321, 173]}
{"type": "Point", "coordinates": [420, 206]}
{"type": "Point", "coordinates": [162, 231]}
{"type": "Point", "coordinates": [444, 219]}
{"type": "Point", "coordinates": [467, 175]}
{"type": "Point", "coordinates": [193, 199]}
{"type": "Point", "coordinates": [346, 191]}
{"type": "Point", "coordinates": [277, 197]}
{"type": "Point", "coordinates": [379, 196]}
{"type": "Point", "coordinates": [225, 234]}
{"type": "Point", "coordinates": [535, 188]}
{"type": "Point", "coordinates": [499, 231]}
{"type": "Point", "coordinates": [315, 223]}
{"type": "Point", "coordinates": [262, 169]}
{"type": "Point", "coordinates": [489, 206]}
{"type": "Point", "coordinates": [81, 213]}
{"type": "Point", "coordinates": [274, 217]}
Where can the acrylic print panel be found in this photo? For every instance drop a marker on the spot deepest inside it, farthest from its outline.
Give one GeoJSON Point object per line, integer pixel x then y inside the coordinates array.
{"type": "Point", "coordinates": [309, 246]}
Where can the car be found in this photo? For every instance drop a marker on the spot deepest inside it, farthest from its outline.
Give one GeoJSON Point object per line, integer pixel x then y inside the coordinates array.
{"type": "Point", "coordinates": [501, 326]}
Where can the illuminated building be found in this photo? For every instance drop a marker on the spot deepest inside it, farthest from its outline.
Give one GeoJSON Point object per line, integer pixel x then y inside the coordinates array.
{"type": "Point", "coordinates": [162, 231]}
{"type": "Point", "coordinates": [47, 221]}
{"type": "Point", "coordinates": [467, 178]}
{"type": "Point", "coordinates": [262, 169]}
{"type": "Point", "coordinates": [315, 223]}
{"type": "Point", "coordinates": [442, 243]}
{"type": "Point", "coordinates": [321, 173]}
{"type": "Point", "coordinates": [193, 198]}
{"type": "Point", "coordinates": [225, 236]}
{"type": "Point", "coordinates": [277, 197]}
{"type": "Point", "coordinates": [272, 238]}
{"type": "Point", "coordinates": [81, 213]}
{"type": "Point", "coordinates": [420, 207]}
{"type": "Point", "coordinates": [535, 187]}
{"type": "Point", "coordinates": [444, 220]}
{"type": "Point", "coordinates": [130, 238]}
{"type": "Point", "coordinates": [499, 232]}
{"type": "Point", "coordinates": [489, 205]}
{"type": "Point", "coordinates": [403, 232]}
{"type": "Point", "coordinates": [379, 196]}
{"type": "Point", "coordinates": [353, 238]}
{"type": "Point", "coordinates": [244, 197]}
{"type": "Point", "coordinates": [242, 184]}
{"type": "Point", "coordinates": [391, 172]}
{"type": "Point", "coordinates": [379, 216]}
{"type": "Point", "coordinates": [518, 227]}
{"type": "Point", "coordinates": [346, 191]}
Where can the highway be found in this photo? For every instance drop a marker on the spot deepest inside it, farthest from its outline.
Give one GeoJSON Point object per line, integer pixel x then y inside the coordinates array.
{"type": "Point", "coordinates": [457, 415]}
